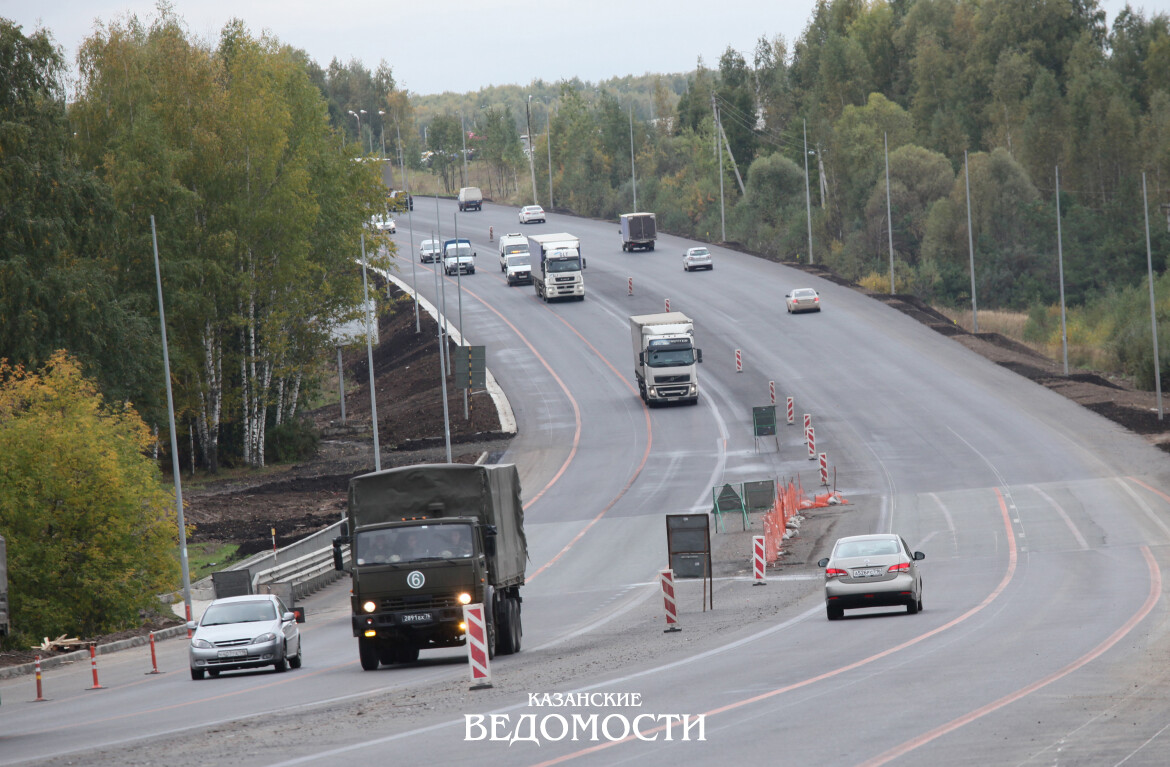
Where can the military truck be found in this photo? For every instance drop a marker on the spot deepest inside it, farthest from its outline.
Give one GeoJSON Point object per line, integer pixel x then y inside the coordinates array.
{"type": "Point", "coordinates": [423, 541]}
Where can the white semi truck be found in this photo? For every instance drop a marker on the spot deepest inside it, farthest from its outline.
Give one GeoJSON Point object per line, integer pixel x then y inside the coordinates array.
{"type": "Point", "coordinates": [557, 266]}
{"type": "Point", "coordinates": [665, 357]}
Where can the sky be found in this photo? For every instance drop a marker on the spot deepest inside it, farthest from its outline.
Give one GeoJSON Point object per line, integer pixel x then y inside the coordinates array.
{"type": "Point", "coordinates": [434, 46]}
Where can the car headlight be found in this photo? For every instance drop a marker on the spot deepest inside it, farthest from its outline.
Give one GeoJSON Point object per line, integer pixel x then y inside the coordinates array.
{"type": "Point", "coordinates": [202, 644]}
{"type": "Point", "coordinates": [269, 637]}
{"type": "Point", "coordinates": [369, 607]}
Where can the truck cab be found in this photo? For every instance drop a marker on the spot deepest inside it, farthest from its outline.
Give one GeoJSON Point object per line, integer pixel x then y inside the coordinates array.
{"type": "Point", "coordinates": [557, 266]}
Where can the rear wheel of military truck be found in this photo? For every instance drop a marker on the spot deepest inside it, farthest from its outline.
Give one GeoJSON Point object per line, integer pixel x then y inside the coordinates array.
{"type": "Point", "coordinates": [368, 651]}
{"type": "Point", "coordinates": [508, 626]}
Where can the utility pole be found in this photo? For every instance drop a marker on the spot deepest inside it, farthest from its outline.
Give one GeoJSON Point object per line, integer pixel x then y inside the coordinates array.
{"type": "Point", "coordinates": [971, 245]}
{"type": "Point", "coordinates": [548, 116]}
{"type": "Point", "coordinates": [410, 220]}
{"type": "Point", "coordinates": [1060, 271]}
{"type": "Point", "coordinates": [370, 358]}
{"type": "Point", "coordinates": [1153, 311]}
{"type": "Point", "coordinates": [463, 133]}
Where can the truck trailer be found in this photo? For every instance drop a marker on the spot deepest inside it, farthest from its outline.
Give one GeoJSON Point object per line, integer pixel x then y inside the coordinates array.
{"type": "Point", "coordinates": [639, 230]}
{"type": "Point", "coordinates": [557, 266]}
{"type": "Point", "coordinates": [665, 357]}
{"type": "Point", "coordinates": [424, 541]}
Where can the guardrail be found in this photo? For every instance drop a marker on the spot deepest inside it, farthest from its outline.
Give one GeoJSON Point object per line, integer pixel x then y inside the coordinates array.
{"type": "Point", "coordinates": [306, 573]}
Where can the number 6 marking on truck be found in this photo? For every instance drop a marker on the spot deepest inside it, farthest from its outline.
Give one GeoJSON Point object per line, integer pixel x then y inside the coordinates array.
{"type": "Point", "coordinates": [416, 580]}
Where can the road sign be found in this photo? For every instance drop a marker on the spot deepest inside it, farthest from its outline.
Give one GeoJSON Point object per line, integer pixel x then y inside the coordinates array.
{"type": "Point", "coordinates": [470, 364]}
{"type": "Point", "coordinates": [764, 421]}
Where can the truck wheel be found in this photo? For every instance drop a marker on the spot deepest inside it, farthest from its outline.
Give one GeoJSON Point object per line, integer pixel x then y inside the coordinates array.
{"type": "Point", "coordinates": [368, 652]}
{"type": "Point", "coordinates": [517, 628]}
{"type": "Point", "coordinates": [388, 654]}
{"type": "Point", "coordinates": [651, 246]}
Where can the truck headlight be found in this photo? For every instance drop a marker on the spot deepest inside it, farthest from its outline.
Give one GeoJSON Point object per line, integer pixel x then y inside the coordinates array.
{"type": "Point", "coordinates": [464, 598]}
{"type": "Point", "coordinates": [653, 391]}
{"type": "Point", "coordinates": [369, 607]}
{"type": "Point", "coordinates": [692, 389]}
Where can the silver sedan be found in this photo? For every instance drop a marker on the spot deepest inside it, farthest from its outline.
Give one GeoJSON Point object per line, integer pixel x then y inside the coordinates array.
{"type": "Point", "coordinates": [244, 632]}
{"type": "Point", "coordinates": [697, 258]}
{"type": "Point", "coordinates": [802, 300]}
{"type": "Point", "coordinates": [876, 570]}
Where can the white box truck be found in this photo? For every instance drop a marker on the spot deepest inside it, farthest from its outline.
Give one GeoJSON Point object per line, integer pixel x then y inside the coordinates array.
{"type": "Point", "coordinates": [557, 266]}
{"type": "Point", "coordinates": [665, 357]}
{"type": "Point", "coordinates": [639, 230]}
{"type": "Point", "coordinates": [515, 262]}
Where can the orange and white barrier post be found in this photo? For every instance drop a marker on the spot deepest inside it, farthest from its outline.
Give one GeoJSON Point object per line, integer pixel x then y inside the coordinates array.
{"type": "Point", "coordinates": [668, 305]}
{"type": "Point", "coordinates": [477, 649]}
{"type": "Point", "coordinates": [772, 391]}
{"type": "Point", "coordinates": [668, 600]}
{"type": "Point", "coordinates": [791, 416]}
{"type": "Point", "coordinates": [824, 469]}
{"type": "Point", "coordinates": [812, 444]}
{"type": "Point", "coordinates": [93, 666]}
{"type": "Point", "coordinates": [40, 697]}
{"type": "Point", "coordinates": [758, 560]}
{"type": "Point", "coordinates": [630, 286]}
{"type": "Point", "coordinates": [738, 361]}
{"type": "Point", "coordinates": [153, 657]}
{"type": "Point", "coordinates": [807, 422]}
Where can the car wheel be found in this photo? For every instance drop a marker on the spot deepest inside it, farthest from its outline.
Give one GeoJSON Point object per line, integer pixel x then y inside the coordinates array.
{"type": "Point", "coordinates": [912, 607]}
{"type": "Point", "coordinates": [196, 674]}
{"type": "Point", "coordinates": [295, 661]}
{"type": "Point", "coordinates": [281, 665]}
{"type": "Point", "coordinates": [834, 613]}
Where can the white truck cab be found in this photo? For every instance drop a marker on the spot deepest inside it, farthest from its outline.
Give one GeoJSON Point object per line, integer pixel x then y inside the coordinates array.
{"type": "Point", "coordinates": [515, 262]}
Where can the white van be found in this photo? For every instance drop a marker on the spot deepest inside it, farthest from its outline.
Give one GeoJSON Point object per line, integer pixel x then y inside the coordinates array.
{"type": "Point", "coordinates": [470, 198]}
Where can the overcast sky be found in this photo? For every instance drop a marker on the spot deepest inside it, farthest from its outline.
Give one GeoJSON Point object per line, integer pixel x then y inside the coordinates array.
{"type": "Point", "coordinates": [463, 45]}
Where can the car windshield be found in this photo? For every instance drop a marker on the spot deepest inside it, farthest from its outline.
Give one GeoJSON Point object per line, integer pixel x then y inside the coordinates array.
{"type": "Point", "coordinates": [464, 250]}
{"type": "Point", "coordinates": [429, 245]}
{"type": "Point", "coordinates": [563, 265]}
{"type": "Point", "coordinates": [533, 210]}
{"type": "Point", "coordinates": [699, 252]}
{"type": "Point", "coordinates": [665, 358]}
{"type": "Point", "coordinates": [238, 612]}
{"type": "Point", "coordinates": [521, 260]}
{"type": "Point", "coordinates": [513, 249]}
{"type": "Point", "coordinates": [804, 293]}
{"type": "Point", "coordinates": [878, 548]}
{"type": "Point", "coordinates": [413, 543]}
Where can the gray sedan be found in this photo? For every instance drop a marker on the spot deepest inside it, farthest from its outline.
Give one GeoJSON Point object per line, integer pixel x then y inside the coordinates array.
{"type": "Point", "coordinates": [872, 571]}
{"type": "Point", "coordinates": [245, 632]}
{"type": "Point", "coordinates": [802, 300]}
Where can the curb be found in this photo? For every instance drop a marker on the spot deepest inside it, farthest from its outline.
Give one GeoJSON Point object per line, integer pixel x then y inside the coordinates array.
{"type": "Point", "coordinates": [80, 655]}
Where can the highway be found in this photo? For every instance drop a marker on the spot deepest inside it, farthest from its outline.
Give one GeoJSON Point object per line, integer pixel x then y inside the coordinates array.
{"type": "Point", "coordinates": [1043, 637]}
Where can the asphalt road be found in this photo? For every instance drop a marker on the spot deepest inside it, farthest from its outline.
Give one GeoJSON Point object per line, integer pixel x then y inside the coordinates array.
{"type": "Point", "coordinates": [1043, 639]}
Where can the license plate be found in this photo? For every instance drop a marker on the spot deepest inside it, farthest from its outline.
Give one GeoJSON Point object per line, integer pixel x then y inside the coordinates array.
{"type": "Point", "coordinates": [416, 617]}
{"type": "Point", "coordinates": [870, 572]}
{"type": "Point", "coordinates": [232, 653]}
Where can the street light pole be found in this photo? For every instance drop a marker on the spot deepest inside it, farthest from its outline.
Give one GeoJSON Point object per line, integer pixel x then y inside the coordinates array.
{"type": "Point", "coordinates": [463, 132]}
{"type": "Point", "coordinates": [531, 166]}
{"type": "Point", "coordinates": [359, 124]}
{"type": "Point", "coordinates": [548, 117]}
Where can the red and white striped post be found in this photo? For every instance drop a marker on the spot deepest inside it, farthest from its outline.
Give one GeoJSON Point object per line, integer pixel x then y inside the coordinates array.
{"type": "Point", "coordinates": [40, 698]}
{"type": "Point", "coordinates": [824, 469]}
{"type": "Point", "coordinates": [667, 578]}
{"type": "Point", "coordinates": [668, 304]}
{"type": "Point", "coordinates": [772, 391]}
{"type": "Point", "coordinates": [93, 666]}
{"type": "Point", "coordinates": [477, 649]}
{"type": "Point", "coordinates": [738, 361]}
{"type": "Point", "coordinates": [153, 657]}
{"type": "Point", "coordinates": [791, 415]}
{"type": "Point", "coordinates": [758, 560]}
{"type": "Point", "coordinates": [630, 286]}
{"type": "Point", "coordinates": [812, 444]}
{"type": "Point", "coordinates": [807, 422]}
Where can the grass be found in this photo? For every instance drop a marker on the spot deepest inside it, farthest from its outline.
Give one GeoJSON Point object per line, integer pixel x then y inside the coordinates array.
{"type": "Point", "coordinates": [206, 558]}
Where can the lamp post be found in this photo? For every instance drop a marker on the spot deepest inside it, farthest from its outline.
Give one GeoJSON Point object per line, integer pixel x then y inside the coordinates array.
{"type": "Point", "coordinates": [531, 147]}
{"type": "Point", "coordinates": [382, 130]}
{"type": "Point", "coordinates": [548, 117]}
{"type": "Point", "coordinates": [359, 123]}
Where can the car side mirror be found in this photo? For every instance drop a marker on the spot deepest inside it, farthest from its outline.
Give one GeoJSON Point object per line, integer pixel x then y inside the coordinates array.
{"type": "Point", "coordinates": [823, 563]}
{"type": "Point", "coordinates": [288, 617]}
{"type": "Point", "coordinates": [919, 555]}
{"type": "Point", "coordinates": [192, 625]}
{"type": "Point", "coordinates": [698, 355]}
